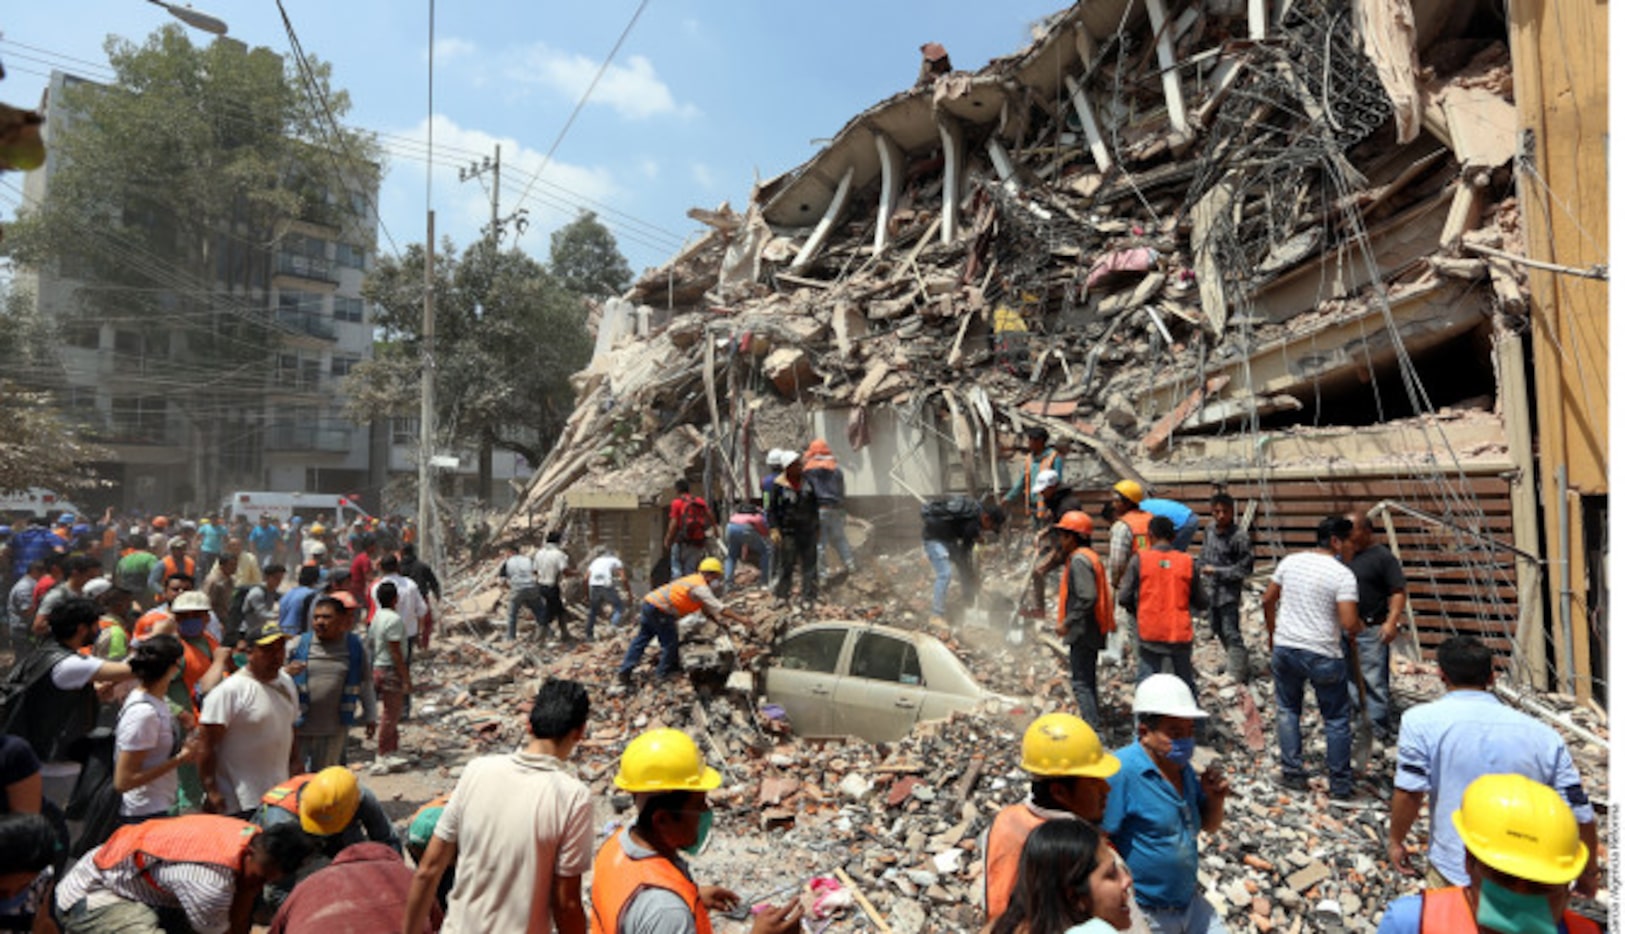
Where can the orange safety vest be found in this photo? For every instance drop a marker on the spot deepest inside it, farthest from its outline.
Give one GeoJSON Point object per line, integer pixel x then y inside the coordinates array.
{"type": "Point", "coordinates": [1104, 617]}
{"type": "Point", "coordinates": [1446, 911]}
{"type": "Point", "coordinates": [286, 795]}
{"type": "Point", "coordinates": [617, 879]}
{"type": "Point", "coordinates": [210, 839]}
{"type": "Point", "coordinates": [144, 625]}
{"type": "Point", "coordinates": [197, 665]}
{"type": "Point", "coordinates": [170, 569]}
{"type": "Point", "coordinates": [1005, 839]}
{"type": "Point", "coordinates": [1027, 483]}
{"type": "Point", "coordinates": [676, 597]}
{"type": "Point", "coordinates": [1164, 611]}
{"type": "Point", "coordinates": [1138, 522]}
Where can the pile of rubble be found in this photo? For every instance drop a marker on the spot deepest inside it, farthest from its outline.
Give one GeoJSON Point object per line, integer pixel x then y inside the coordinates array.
{"type": "Point", "coordinates": [1152, 222]}
{"type": "Point", "coordinates": [902, 821]}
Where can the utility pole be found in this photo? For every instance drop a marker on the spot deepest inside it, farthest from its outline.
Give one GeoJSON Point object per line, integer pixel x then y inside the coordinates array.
{"type": "Point", "coordinates": [494, 165]}
{"type": "Point", "coordinates": [426, 413]}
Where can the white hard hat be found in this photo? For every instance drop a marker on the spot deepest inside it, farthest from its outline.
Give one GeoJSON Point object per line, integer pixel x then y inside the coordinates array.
{"type": "Point", "coordinates": [1045, 480]}
{"type": "Point", "coordinates": [775, 458]}
{"type": "Point", "coordinates": [1167, 695]}
{"type": "Point", "coordinates": [97, 587]}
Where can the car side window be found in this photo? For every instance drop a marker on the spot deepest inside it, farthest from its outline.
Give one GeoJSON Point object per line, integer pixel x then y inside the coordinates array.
{"type": "Point", "coordinates": [883, 658]}
{"type": "Point", "coordinates": [819, 650]}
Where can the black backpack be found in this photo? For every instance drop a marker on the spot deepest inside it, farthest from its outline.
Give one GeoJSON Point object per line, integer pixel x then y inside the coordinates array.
{"type": "Point", "coordinates": [50, 728]}
{"type": "Point", "coordinates": [954, 509]}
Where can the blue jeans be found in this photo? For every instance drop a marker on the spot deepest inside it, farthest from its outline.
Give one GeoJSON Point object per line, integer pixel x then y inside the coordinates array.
{"type": "Point", "coordinates": [1196, 918]}
{"type": "Point", "coordinates": [944, 558]}
{"type": "Point", "coordinates": [1329, 676]}
{"type": "Point", "coordinates": [740, 538]}
{"type": "Point", "coordinates": [1373, 664]}
{"type": "Point", "coordinates": [597, 597]}
{"type": "Point", "coordinates": [652, 625]}
{"type": "Point", "coordinates": [832, 534]}
{"type": "Point", "coordinates": [529, 597]}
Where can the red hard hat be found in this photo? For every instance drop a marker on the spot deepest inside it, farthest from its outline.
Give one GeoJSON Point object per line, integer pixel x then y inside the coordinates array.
{"type": "Point", "coordinates": [1077, 521]}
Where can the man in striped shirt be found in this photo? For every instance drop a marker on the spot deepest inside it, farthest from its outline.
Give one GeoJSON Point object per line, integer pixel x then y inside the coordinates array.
{"type": "Point", "coordinates": [204, 868]}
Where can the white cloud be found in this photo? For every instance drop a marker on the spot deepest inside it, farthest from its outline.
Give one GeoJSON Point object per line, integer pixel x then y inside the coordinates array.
{"type": "Point", "coordinates": [701, 173]}
{"type": "Point", "coordinates": [633, 89]}
{"type": "Point", "coordinates": [462, 208]}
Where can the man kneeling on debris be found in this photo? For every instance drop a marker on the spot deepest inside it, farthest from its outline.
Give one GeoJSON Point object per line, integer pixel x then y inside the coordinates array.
{"type": "Point", "coordinates": [662, 609]}
{"type": "Point", "coordinates": [640, 883]}
{"type": "Point", "coordinates": [951, 528]}
{"type": "Point", "coordinates": [334, 809]}
{"type": "Point", "coordinates": [1069, 768]}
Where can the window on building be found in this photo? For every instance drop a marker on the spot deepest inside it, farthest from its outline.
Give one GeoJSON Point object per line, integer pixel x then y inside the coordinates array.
{"type": "Point", "coordinates": [128, 342]}
{"type": "Point", "coordinates": [83, 334]}
{"type": "Point", "coordinates": [141, 419]}
{"type": "Point", "coordinates": [343, 364]}
{"type": "Point", "coordinates": [295, 301]}
{"type": "Point", "coordinates": [403, 431]}
{"type": "Point", "coordinates": [301, 245]}
{"type": "Point", "coordinates": [350, 257]}
{"type": "Point", "coordinates": [346, 308]}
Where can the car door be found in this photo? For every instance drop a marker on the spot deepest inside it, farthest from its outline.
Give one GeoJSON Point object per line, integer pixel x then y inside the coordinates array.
{"type": "Point", "coordinates": [880, 698]}
{"type": "Point", "coordinates": [803, 676]}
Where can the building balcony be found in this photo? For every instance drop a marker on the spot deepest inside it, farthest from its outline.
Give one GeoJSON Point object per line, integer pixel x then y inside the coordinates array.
{"type": "Point", "coordinates": [311, 438]}
{"type": "Point", "coordinates": [310, 268]}
{"type": "Point", "coordinates": [305, 323]}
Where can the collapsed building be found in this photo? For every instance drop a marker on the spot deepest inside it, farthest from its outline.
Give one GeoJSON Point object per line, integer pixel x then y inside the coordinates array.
{"type": "Point", "coordinates": [1309, 251]}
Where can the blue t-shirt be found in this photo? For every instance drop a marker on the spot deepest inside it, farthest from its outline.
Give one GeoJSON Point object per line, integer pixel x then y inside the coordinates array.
{"type": "Point", "coordinates": [1176, 512]}
{"type": "Point", "coordinates": [293, 613]}
{"type": "Point", "coordinates": [1154, 828]}
{"type": "Point", "coordinates": [264, 537]}
{"type": "Point", "coordinates": [213, 538]}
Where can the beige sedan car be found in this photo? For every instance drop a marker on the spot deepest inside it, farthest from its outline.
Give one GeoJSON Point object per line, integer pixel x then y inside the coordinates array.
{"type": "Point", "coordinates": [873, 682]}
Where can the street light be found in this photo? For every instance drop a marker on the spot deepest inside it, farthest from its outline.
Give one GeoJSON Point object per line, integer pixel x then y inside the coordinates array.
{"type": "Point", "coordinates": [193, 18]}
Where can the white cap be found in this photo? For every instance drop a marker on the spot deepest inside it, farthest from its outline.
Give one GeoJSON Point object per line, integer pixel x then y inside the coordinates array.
{"type": "Point", "coordinates": [1166, 695]}
{"type": "Point", "coordinates": [1045, 480]}
{"type": "Point", "coordinates": [317, 548]}
{"type": "Point", "coordinates": [98, 587]}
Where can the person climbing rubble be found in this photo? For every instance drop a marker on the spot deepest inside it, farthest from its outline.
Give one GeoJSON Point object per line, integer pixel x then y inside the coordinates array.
{"type": "Point", "coordinates": [951, 528]}
{"type": "Point", "coordinates": [662, 608]}
{"type": "Point", "coordinates": [829, 487]}
{"type": "Point", "coordinates": [1069, 769]}
{"type": "Point", "coordinates": [1055, 500]}
{"type": "Point", "coordinates": [641, 883]}
{"type": "Point", "coordinates": [792, 520]}
{"type": "Point", "coordinates": [688, 527]}
{"type": "Point", "coordinates": [1040, 457]}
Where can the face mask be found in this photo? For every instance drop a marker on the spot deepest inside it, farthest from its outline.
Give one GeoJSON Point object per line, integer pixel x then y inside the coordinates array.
{"type": "Point", "coordinates": [704, 835]}
{"type": "Point", "coordinates": [1501, 909]}
{"type": "Point", "coordinates": [239, 659]}
{"type": "Point", "coordinates": [192, 628]}
{"type": "Point", "coordinates": [1180, 750]}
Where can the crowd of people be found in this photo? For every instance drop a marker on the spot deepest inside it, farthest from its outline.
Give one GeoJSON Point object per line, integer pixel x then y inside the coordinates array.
{"type": "Point", "coordinates": [177, 730]}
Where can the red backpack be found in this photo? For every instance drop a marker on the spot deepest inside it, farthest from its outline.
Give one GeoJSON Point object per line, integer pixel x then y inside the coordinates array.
{"type": "Point", "coordinates": [695, 519]}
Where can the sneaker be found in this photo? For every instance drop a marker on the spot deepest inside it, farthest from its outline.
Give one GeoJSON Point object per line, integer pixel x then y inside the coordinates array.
{"type": "Point", "coordinates": [1291, 782]}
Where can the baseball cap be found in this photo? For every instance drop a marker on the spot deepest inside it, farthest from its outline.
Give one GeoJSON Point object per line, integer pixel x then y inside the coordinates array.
{"type": "Point", "coordinates": [345, 599]}
{"type": "Point", "coordinates": [1045, 480]}
{"type": "Point", "coordinates": [98, 587]}
{"type": "Point", "coordinates": [192, 601]}
{"type": "Point", "coordinates": [267, 634]}
{"type": "Point", "coordinates": [177, 542]}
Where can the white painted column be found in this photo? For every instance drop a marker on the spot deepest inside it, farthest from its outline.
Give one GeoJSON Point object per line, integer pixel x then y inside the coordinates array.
{"type": "Point", "coordinates": [953, 174]}
{"type": "Point", "coordinates": [1165, 59]}
{"type": "Point", "coordinates": [837, 206]}
{"type": "Point", "coordinates": [891, 186]}
{"type": "Point", "coordinates": [1091, 129]}
{"type": "Point", "coordinates": [1258, 19]}
{"type": "Point", "coordinates": [1002, 164]}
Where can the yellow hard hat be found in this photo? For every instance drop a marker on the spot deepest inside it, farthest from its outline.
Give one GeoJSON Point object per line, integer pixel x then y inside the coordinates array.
{"type": "Point", "coordinates": [710, 566]}
{"type": "Point", "coordinates": [1060, 744]}
{"type": "Point", "coordinates": [664, 760]}
{"type": "Point", "coordinates": [1522, 828]}
{"type": "Point", "coordinates": [1129, 490]}
{"type": "Point", "coordinates": [329, 801]}
{"type": "Point", "coordinates": [317, 529]}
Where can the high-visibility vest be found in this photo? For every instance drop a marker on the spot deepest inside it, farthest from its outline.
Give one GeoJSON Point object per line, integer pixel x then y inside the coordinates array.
{"type": "Point", "coordinates": [677, 597]}
{"type": "Point", "coordinates": [187, 567]}
{"type": "Point", "coordinates": [286, 795]}
{"type": "Point", "coordinates": [1164, 611]}
{"type": "Point", "coordinates": [1104, 617]}
{"type": "Point", "coordinates": [1027, 483]}
{"type": "Point", "coordinates": [145, 623]}
{"type": "Point", "coordinates": [1138, 522]}
{"type": "Point", "coordinates": [1446, 911]}
{"type": "Point", "coordinates": [617, 879]}
{"type": "Point", "coordinates": [1005, 839]}
{"type": "Point", "coordinates": [210, 839]}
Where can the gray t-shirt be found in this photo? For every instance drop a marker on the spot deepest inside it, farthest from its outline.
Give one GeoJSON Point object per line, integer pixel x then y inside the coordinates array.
{"type": "Point", "coordinates": [325, 671]}
{"type": "Point", "coordinates": [654, 911]}
{"type": "Point", "coordinates": [259, 607]}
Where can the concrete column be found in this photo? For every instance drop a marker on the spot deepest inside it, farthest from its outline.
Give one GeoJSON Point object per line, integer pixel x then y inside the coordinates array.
{"type": "Point", "coordinates": [837, 206]}
{"type": "Point", "coordinates": [1091, 129]}
{"type": "Point", "coordinates": [891, 186]}
{"type": "Point", "coordinates": [1165, 59]}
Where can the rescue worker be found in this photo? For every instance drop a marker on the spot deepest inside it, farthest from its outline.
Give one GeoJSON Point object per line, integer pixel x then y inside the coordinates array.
{"type": "Point", "coordinates": [1040, 457]}
{"type": "Point", "coordinates": [1161, 589]}
{"type": "Point", "coordinates": [662, 609]}
{"type": "Point", "coordinates": [1054, 501]}
{"type": "Point", "coordinates": [1130, 532]}
{"type": "Point", "coordinates": [1523, 853]}
{"type": "Point", "coordinates": [206, 868]}
{"type": "Point", "coordinates": [1069, 769]}
{"type": "Point", "coordinates": [829, 488]}
{"type": "Point", "coordinates": [793, 527]}
{"type": "Point", "coordinates": [333, 808]}
{"type": "Point", "coordinates": [1084, 616]}
{"type": "Point", "coordinates": [639, 878]}
{"type": "Point", "coordinates": [1184, 518]}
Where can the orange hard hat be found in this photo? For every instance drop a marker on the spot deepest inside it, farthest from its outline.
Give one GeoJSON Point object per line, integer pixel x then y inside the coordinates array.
{"type": "Point", "coordinates": [1077, 521]}
{"type": "Point", "coordinates": [159, 522]}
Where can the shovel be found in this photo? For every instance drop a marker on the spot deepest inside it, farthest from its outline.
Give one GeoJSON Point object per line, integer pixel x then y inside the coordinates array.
{"type": "Point", "coordinates": [1016, 631]}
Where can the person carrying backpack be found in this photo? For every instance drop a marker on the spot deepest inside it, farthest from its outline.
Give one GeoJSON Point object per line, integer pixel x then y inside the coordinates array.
{"type": "Point", "coordinates": [688, 526]}
{"type": "Point", "coordinates": [950, 529]}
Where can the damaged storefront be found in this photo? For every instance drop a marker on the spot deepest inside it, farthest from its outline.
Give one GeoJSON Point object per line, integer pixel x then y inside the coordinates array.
{"type": "Point", "coordinates": [1279, 248]}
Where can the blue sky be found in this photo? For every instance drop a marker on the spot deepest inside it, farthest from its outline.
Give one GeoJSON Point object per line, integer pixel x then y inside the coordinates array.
{"type": "Point", "coordinates": [700, 100]}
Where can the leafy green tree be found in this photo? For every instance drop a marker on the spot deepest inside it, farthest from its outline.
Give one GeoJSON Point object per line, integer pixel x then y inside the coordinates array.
{"type": "Point", "coordinates": [173, 187]}
{"type": "Point", "coordinates": [586, 260]}
{"type": "Point", "coordinates": [39, 445]}
{"type": "Point", "coordinates": [508, 337]}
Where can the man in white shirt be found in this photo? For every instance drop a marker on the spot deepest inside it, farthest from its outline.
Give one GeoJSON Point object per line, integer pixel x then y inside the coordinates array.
{"type": "Point", "coordinates": [409, 601]}
{"type": "Point", "coordinates": [518, 574]}
{"type": "Point", "coordinates": [603, 572]}
{"type": "Point", "coordinates": [552, 566]}
{"type": "Point", "coordinates": [515, 875]}
{"type": "Point", "coordinates": [1309, 605]}
{"type": "Point", "coordinates": [248, 728]}
{"type": "Point", "coordinates": [59, 703]}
